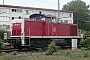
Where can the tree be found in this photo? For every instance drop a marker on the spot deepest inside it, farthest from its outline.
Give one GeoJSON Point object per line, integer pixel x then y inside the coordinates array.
{"type": "Point", "coordinates": [1, 35]}
{"type": "Point", "coordinates": [80, 14]}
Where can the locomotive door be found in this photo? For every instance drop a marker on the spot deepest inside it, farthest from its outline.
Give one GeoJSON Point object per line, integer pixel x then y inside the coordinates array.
{"type": "Point", "coordinates": [52, 27]}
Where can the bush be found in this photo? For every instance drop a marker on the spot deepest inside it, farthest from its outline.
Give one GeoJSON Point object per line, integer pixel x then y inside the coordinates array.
{"type": "Point", "coordinates": [2, 55]}
{"type": "Point", "coordinates": [14, 53]}
{"type": "Point", "coordinates": [69, 54]}
{"type": "Point", "coordinates": [51, 48]}
{"type": "Point", "coordinates": [86, 44]}
{"type": "Point", "coordinates": [85, 54]}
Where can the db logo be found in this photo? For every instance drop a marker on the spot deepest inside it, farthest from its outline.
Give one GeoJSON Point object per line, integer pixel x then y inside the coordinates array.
{"type": "Point", "coordinates": [54, 29]}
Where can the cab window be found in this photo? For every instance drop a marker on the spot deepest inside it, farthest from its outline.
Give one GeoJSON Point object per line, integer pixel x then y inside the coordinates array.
{"type": "Point", "coordinates": [53, 20]}
{"type": "Point", "coordinates": [42, 18]}
{"type": "Point", "coordinates": [33, 18]}
{"type": "Point", "coordinates": [49, 20]}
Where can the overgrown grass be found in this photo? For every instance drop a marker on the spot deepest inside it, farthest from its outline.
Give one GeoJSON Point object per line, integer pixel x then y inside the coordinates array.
{"type": "Point", "coordinates": [64, 55]}
{"type": "Point", "coordinates": [41, 57]}
{"type": "Point", "coordinates": [2, 55]}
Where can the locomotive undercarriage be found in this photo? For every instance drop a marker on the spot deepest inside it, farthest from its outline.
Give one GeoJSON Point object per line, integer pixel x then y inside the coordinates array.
{"type": "Point", "coordinates": [32, 43]}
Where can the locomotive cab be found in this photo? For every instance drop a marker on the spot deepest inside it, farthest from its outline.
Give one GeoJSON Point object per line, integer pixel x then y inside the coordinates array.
{"type": "Point", "coordinates": [51, 27]}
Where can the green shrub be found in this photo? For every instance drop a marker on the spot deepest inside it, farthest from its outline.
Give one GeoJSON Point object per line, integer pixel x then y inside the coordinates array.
{"type": "Point", "coordinates": [82, 48]}
{"type": "Point", "coordinates": [85, 54]}
{"type": "Point", "coordinates": [14, 53]}
{"type": "Point", "coordinates": [86, 44]}
{"type": "Point", "coordinates": [2, 55]}
{"type": "Point", "coordinates": [51, 48]}
{"type": "Point", "coordinates": [69, 54]}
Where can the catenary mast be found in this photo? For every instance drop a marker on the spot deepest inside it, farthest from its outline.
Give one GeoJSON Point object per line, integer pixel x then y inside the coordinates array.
{"type": "Point", "coordinates": [58, 11]}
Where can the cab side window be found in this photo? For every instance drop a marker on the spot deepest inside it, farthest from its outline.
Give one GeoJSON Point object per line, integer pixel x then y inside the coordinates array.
{"type": "Point", "coordinates": [49, 20]}
{"type": "Point", "coordinates": [33, 18]}
{"type": "Point", "coordinates": [42, 18]}
{"type": "Point", "coordinates": [53, 20]}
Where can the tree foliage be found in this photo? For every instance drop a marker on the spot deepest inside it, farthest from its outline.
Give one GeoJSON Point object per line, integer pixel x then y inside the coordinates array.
{"type": "Point", "coordinates": [80, 14]}
{"type": "Point", "coordinates": [1, 35]}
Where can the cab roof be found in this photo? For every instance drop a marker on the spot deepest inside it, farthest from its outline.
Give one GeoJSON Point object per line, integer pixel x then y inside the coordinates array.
{"type": "Point", "coordinates": [47, 16]}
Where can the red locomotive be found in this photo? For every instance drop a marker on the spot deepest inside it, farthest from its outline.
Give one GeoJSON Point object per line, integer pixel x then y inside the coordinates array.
{"type": "Point", "coordinates": [39, 30]}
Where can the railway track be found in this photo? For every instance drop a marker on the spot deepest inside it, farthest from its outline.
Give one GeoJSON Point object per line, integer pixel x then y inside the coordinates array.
{"type": "Point", "coordinates": [9, 49]}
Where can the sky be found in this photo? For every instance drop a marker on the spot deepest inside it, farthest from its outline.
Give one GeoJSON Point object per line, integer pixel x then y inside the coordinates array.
{"type": "Point", "coordinates": [49, 4]}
